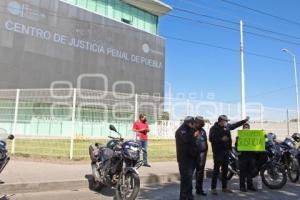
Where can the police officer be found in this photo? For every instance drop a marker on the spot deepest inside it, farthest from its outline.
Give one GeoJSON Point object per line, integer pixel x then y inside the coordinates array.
{"type": "Point", "coordinates": [202, 154]}
{"type": "Point", "coordinates": [220, 138]}
{"type": "Point", "coordinates": [186, 156]}
{"type": "Point", "coordinates": [247, 164]}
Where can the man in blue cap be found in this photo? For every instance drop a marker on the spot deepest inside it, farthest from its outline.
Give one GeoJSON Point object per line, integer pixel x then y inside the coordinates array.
{"type": "Point", "coordinates": [221, 142]}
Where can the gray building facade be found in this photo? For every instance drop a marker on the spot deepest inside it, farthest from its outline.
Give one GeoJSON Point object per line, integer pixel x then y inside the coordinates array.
{"type": "Point", "coordinates": [50, 43]}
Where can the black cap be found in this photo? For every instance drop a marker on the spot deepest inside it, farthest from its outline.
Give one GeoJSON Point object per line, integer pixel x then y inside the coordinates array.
{"type": "Point", "coordinates": [223, 118]}
{"type": "Point", "coordinates": [199, 118]}
{"type": "Point", "coordinates": [246, 124]}
{"type": "Point", "coordinates": [189, 119]}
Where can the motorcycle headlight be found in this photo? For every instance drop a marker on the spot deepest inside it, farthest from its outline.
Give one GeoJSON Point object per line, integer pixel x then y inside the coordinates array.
{"type": "Point", "coordinates": [134, 148]}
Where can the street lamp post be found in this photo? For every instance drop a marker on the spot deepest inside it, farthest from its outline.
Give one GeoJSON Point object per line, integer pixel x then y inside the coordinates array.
{"type": "Point", "coordinates": [243, 101]}
{"type": "Point", "coordinates": [296, 84]}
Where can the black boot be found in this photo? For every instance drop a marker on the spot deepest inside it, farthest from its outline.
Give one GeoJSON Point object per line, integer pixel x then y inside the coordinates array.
{"type": "Point", "coordinates": [250, 185]}
{"type": "Point", "coordinates": [201, 192]}
{"type": "Point", "coordinates": [251, 188]}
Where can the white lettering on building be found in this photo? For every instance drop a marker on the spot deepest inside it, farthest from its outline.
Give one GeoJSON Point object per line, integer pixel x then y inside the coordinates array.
{"type": "Point", "coordinates": [65, 40]}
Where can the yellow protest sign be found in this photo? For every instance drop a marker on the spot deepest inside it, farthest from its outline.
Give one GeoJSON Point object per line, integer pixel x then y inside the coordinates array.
{"type": "Point", "coordinates": [251, 140]}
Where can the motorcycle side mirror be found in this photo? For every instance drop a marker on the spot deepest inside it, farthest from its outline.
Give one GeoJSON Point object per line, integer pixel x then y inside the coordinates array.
{"type": "Point", "coordinates": [11, 137]}
{"type": "Point", "coordinates": [113, 128]}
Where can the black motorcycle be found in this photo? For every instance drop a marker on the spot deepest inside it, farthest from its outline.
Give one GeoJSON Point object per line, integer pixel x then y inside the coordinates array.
{"type": "Point", "coordinates": [296, 138]}
{"type": "Point", "coordinates": [289, 158]}
{"type": "Point", "coordinates": [116, 165]}
{"type": "Point", "coordinates": [272, 172]}
{"type": "Point", "coordinates": [4, 156]}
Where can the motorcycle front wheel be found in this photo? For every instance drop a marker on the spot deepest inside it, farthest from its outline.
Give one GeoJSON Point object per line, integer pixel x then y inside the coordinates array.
{"type": "Point", "coordinates": [273, 176]}
{"type": "Point", "coordinates": [293, 171]}
{"type": "Point", "coordinates": [129, 188]}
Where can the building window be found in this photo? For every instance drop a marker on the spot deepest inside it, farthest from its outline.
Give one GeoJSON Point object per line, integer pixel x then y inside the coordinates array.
{"type": "Point", "coordinates": [122, 12]}
{"type": "Point", "coordinates": [127, 21]}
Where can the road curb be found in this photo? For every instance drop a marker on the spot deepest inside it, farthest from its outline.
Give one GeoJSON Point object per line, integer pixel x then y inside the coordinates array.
{"type": "Point", "coordinates": [15, 188]}
{"type": "Point", "coordinates": [42, 186]}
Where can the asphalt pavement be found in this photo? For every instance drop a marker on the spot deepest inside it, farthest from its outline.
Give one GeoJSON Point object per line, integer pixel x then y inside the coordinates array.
{"type": "Point", "coordinates": [168, 191]}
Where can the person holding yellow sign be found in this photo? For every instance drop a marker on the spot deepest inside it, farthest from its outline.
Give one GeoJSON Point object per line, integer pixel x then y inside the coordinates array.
{"type": "Point", "coordinates": [247, 164]}
{"type": "Point", "coordinates": [248, 143]}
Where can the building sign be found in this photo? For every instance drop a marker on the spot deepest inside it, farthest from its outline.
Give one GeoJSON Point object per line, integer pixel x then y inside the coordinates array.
{"type": "Point", "coordinates": [70, 41]}
{"type": "Point", "coordinates": [65, 41]}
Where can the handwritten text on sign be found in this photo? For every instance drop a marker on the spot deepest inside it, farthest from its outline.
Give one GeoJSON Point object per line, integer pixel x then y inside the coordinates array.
{"type": "Point", "coordinates": [251, 140]}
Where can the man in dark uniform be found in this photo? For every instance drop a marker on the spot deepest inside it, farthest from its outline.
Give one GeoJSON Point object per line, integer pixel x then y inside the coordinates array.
{"type": "Point", "coordinates": [202, 154]}
{"type": "Point", "coordinates": [186, 156]}
{"type": "Point", "coordinates": [247, 164]}
{"type": "Point", "coordinates": [220, 138]}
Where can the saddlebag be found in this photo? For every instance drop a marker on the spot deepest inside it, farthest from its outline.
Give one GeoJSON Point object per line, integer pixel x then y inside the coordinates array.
{"type": "Point", "coordinates": [95, 151]}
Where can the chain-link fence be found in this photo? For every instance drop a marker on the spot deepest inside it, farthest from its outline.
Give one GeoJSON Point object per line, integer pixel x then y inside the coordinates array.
{"type": "Point", "coordinates": [63, 122]}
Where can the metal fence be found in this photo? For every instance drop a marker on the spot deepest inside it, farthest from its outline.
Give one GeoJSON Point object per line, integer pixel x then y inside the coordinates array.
{"type": "Point", "coordinates": [63, 122]}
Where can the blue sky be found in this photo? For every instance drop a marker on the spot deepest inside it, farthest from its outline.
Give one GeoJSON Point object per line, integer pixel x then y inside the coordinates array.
{"type": "Point", "coordinates": [192, 68]}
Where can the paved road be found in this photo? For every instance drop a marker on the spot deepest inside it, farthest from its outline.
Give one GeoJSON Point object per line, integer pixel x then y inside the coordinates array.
{"type": "Point", "coordinates": [162, 192]}
{"type": "Point", "coordinates": [23, 171]}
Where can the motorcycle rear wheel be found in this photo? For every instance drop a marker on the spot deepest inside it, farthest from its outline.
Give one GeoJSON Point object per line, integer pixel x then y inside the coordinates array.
{"type": "Point", "coordinates": [229, 175]}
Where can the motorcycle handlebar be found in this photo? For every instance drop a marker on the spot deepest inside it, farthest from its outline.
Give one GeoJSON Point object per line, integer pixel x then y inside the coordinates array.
{"type": "Point", "coordinates": [115, 138]}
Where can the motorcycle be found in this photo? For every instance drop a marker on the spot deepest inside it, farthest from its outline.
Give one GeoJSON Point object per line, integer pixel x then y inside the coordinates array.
{"type": "Point", "coordinates": [116, 165]}
{"type": "Point", "coordinates": [289, 159]}
{"type": "Point", "coordinates": [4, 156]}
{"type": "Point", "coordinates": [296, 139]}
{"type": "Point", "coordinates": [272, 172]}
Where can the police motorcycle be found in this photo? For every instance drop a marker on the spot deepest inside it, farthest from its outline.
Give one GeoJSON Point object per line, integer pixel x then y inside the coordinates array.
{"type": "Point", "coordinates": [115, 165]}
{"type": "Point", "coordinates": [296, 140]}
{"type": "Point", "coordinates": [272, 173]}
{"type": "Point", "coordinates": [4, 156]}
{"type": "Point", "coordinates": [288, 157]}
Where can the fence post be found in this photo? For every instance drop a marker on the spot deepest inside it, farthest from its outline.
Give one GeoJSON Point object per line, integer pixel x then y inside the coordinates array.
{"type": "Point", "coordinates": [136, 107]}
{"type": "Point", "coordinates": [156, 117]}
{"type": "Point", "coordinates": [261, 117]}
{"type": "Point", "coordinates": [135, 113]}
{"type": "Point", "coordinates": [14, 128]}
{"type": "Point", "coordinates": [170, 108]}
{"type": "Point", "coordinates": [187, 107]}
{"type": "Point", "coordinates": [287, 121]}
{"type": "Point", "coordinates": [73, 125]}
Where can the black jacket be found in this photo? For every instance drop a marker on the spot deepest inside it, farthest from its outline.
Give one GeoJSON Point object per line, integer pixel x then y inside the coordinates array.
{"type": "Point", "coordinates": [201, 141]}
{"type": "Point", "coordinates": [216, 133]}
{"type": "Point", "coordinates": [186, 148]}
